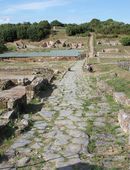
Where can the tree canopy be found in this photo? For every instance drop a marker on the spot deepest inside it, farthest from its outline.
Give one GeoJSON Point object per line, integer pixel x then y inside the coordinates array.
{"type": "Point", "coordinates": [34, 32]}
{"type": "Point", "coordinates": [38, 31]}
{"type": "Point", "coordinates": [103, 27]}
{"type": "Point", "coordinates": [56, 23]}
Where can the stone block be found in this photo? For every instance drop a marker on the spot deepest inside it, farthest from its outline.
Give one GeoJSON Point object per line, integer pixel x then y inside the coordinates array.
{"type": "Point", "coordinates": [124, 121]}
{"type": "Point", "coordinates": [14, 98]}
{"type": "Point", "coordinates": [120, 97]}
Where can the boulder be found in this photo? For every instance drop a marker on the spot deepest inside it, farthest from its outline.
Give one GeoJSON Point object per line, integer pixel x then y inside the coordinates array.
{"type": "Point", "coordinates": [44, 44]}
{"type": "Point", "coordinates": [7, 115]}
{"type": "Point", "coordinates": [3, 123]}
{"type": "Point", "coordinates": [20, 44]}
{"type": "Point", "coordinates": [80, 45]}
{"type": "Point", "coordinates": [33, 89]}
{"type": "Point", "coordinates": [22, 125]}
{"type": "Point", "coordinates": [74, 45]}
{"type": "Point", "coordinates": [13, 99]}
{"type": "Point", "coordinates": [99, 43]}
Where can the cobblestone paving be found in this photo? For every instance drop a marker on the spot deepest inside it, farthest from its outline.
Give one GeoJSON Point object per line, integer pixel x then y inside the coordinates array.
{"type": "Point", "coordinates": [77, 129]}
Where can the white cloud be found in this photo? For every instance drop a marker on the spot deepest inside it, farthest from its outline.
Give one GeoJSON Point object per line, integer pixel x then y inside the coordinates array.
{"type": "Point", "coordinates": [5, 19]}
{"type": "Point", "coordinates": [36, 5]}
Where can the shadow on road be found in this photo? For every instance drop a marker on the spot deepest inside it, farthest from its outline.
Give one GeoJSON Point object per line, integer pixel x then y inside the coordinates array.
{"type": "Point", "coordinates": [81, 166]}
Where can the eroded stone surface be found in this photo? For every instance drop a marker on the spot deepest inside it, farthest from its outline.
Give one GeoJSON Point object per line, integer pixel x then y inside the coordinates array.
{"type": "Point", "coordinates": [70, 135]}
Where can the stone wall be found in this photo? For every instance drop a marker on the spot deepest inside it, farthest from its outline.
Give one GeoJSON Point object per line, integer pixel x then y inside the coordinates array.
{"type": "Point", "coordinates": [42, 59]}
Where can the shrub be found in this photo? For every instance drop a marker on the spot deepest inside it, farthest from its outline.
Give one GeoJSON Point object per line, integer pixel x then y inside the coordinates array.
{"type": "Point", "coordinates": [125, 41]}
{"type": "Point", "coordinates": [3, 48]}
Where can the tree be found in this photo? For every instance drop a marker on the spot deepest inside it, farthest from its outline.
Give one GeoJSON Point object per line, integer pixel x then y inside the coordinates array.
{"type": "Point", "coordinates": [57, 23]}
{"type": "Point", "coordinates": [22, 31]}
{"type": "Point", "coordinates": [36, 33]}
{"type": "Point", "coordinates": [44, 25]}
{"type": "Point", "coordinates": [8, 32]}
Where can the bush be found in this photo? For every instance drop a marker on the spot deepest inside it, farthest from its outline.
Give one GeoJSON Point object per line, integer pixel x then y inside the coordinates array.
{"type": "Point", "coordinates": [125, 41]}
{"type": "Point", "coordinates": [3, 48]}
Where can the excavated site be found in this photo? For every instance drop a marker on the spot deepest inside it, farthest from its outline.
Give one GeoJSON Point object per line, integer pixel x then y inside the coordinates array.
{"type": "Point", "coordinates": [58, 115]}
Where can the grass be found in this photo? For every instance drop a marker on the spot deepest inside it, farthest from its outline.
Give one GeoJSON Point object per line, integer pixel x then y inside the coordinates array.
{"type": "Point", "coordinates": [120, 85]}
{"type": "Point", "coordinates": [88, 102]}
{"type": "Point", "coordinates": [89, 129]}
{"type": "Point", "coordinates": [110, 128]}
{"type": "Point", "coordinates": [91, 146]}
{"type": "Point", "coordinates": [35, 101]}
{"type": "Point", "coordinates": [113, 105]}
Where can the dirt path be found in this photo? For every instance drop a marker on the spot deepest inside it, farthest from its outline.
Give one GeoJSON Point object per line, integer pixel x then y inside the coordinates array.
{"type": "Point", "coordinates": [76, 129]}
{"type": "Point", "coordinates": [91, 46]}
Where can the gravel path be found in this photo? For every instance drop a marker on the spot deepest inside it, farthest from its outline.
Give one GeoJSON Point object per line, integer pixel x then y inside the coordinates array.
{"type": "Point", "coordinates": [91, 46]}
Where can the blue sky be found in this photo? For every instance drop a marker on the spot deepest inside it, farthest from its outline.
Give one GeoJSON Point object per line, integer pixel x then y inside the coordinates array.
{"type": "Point", "coordinates": [67, 11]}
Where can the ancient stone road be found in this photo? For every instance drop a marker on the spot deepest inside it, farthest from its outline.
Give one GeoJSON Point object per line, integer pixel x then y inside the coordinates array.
{"type": "Point", "coordinates": [68, 132]}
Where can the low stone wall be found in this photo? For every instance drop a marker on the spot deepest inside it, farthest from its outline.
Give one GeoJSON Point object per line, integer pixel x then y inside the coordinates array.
{"type": "Point", "coordinates": [42, 59]}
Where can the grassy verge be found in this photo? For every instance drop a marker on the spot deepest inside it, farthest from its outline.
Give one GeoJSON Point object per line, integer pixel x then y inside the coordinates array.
{"type": "Point", "coordinates": [120, 85]}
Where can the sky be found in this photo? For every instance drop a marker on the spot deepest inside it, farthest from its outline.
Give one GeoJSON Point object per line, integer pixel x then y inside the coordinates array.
{"type": "Point", "coordinates": [66, 11]}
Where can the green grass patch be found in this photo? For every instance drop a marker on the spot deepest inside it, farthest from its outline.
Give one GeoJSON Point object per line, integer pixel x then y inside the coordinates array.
{"type": "Point", "coordinates": [120, 85]}
{"type": "Point", "coordinates": [109, 128]}
{"type": "Point", "coordinates": [89, 129]}
{"type": "Point", "coordinates": [106, 67]}
{"type": "Point", "coordinates": [35, 101]}
{"type": "Point", "coordinates": [113, 105]}
{"type": "Point", "coordinates": [91, 146]}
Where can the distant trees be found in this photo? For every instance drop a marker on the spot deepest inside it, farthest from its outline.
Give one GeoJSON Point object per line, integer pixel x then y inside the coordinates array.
{"type": "Point", "coordinates": [103, 27]}
{"type": "Point", "coordinates": [74, 29]}
{"type": "Point", "coordinates": [57, 23]}
{"type": "Point", "coordinates": [8, 32]}
{"type": "Point", "coordinates": [34, 32]}
{"type": "Point", "coordinates": [125, 41]}
{"type": "Point", "coordinates": [38, 31]}
{"type": "Point", "coordinates": [22, 30]}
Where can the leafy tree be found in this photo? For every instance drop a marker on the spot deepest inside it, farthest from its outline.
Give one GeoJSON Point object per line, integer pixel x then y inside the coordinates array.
{"type": "Point", "coordinates": [44, 25]}
{"type": "Point", "coordinates": [36, 33]}
{"type": "Point", "coordinates": [8, 32]}
{"type": "Point", "coordinates": [22, 31]}
{"type": "Point", "coordinates": [57, 23]}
